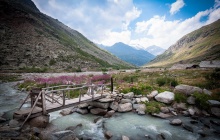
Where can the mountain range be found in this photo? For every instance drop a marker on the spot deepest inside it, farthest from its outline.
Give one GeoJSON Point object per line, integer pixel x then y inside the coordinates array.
{"type": "Point", "coordinates": [129, 54]}
{"type": "Point", "coordinates": [199, 45]}
{"type": "Point", "coordinates": [155, 50]}
{"type": "Point", "coordinates": [31, 39]}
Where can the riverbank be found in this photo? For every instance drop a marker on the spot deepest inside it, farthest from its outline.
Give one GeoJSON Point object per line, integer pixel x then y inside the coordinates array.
{"type": "Point", "coordinates": [126, 117]}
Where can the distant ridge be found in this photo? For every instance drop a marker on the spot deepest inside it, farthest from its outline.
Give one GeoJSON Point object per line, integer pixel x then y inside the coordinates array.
{"type": "Point", "coordinates": [129, 54]}
{"type": "Point", "coordinates": [200, 45]}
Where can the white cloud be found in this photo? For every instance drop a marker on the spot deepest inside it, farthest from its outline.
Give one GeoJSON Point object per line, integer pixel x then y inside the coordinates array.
{"type": "Point", "coordinates": [176, 6]}
{"type": "Point", "coordinates": [164, 33]}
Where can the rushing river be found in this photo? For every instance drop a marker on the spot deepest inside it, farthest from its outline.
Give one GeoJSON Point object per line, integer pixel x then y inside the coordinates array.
{"type": "Point", "coordinates": [130, 124]}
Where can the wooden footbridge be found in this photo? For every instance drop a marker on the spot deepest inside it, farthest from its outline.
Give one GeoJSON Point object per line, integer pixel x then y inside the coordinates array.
{"type": "Point", "coordinates": [50, 99]}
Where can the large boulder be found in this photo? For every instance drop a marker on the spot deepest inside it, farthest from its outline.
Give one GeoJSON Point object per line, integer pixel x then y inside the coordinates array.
{"type": "Point", "coordinates": [66, 112]}
{"type": "Point", "coordinates": [162, 115]}
{"type": "Point", "coordinates": [176, 122]}
{"type": "Point", "coordinates": [123, 101]}
{"type": "Point", "coordinates": [141, 109]}
{"type": "Point", "coordinates": [152, 94]}
{"type": "Point", "coordinates": [165, 97]}
{"type": "Point", "coordinates": [215, 111]}
{"type": "Point", "coordinates": [82, 111]}
{"type": "Point", "coordinates": [99, 104]}
{"type": "Point", "coordinates": [187, 90]}
{"type": "Point", "coordinates": [114, 106]}
{"type": "Point", "coordinates": [129, 95]}
{"type": "Point", "coordinates": [40, 122]}
{"type": "Point", "coordinates": [83, 105]}
{"type": "Point", "coordinates": [191, 100]}
{"type": "Point", "coordinates": [98, 111]}
{"type": "Point", "coordinates": [109, 114]}
{"type": "Point", "coordinates": [124, 107]}
{"type": "Point", "coordinates": [213, 103]}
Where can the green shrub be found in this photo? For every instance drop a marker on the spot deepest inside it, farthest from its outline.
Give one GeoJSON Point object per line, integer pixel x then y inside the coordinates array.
{"type": "Point", "coordinates": [179, 97]}
{"type": "Point", "coordinates": [201, 100]}
{"type": "Point", "coordinates": [153, 107]}
{"type": "Point", "coordinates": [52, 62]}
{"type": "Point", "coordinates": [166, 81]}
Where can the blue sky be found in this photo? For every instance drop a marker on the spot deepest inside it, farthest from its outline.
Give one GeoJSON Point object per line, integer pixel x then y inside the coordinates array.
{"type": "Point", "coordinates": [140, 23]}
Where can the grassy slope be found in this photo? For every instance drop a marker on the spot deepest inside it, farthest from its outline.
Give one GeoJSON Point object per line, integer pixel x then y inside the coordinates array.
{"type": "Point", "coordinates": [199, 45]}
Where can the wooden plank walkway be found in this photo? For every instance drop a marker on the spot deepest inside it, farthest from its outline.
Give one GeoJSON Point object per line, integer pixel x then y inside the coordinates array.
{"type": "Point", "coordinates": [51, 107]}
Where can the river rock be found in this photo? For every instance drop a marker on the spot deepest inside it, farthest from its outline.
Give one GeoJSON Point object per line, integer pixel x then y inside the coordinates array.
{"type": "Point", "coordinates": [124, 107]}
{"type": "Point", "coordinates": [191, 111]}
{"type": "Point", "coordinates": [99, 104]}
{"type": "Point", "coordinates": [63, 135]}
{"type": "Point", "coordinates": [82, 111]}
{"type": "Point", "coordinates": [109, 114]}
{"type": "Point", "coordinates": [205, 91]}
{"type": "Point", "coordinates": [123, 101]}
{"type": "Point", "coordinates": [160, 137]}
{"type": "Point", "coordinates": [162, 115]}
{"type": "Point", "coordinates": [188, 127]}
{"type": "Point", "coordinates": [191, 100]}
{"type": "Point", "coordinates": [141, 109]}
{"type": "Point", "coordinates": [73, 128]}
{"type": "Point", "coordinates": [152, 94]}
{"type": "Point", "coordinates": [176, 122]}
{"type": "Point", "coordinates": [135, 106]}
{"type": "Point", "coordinates": [98, 111]}
{"type": "Point", "coordinates": [129, 95]}
{"type": "Point", "coordinates": [40, 122]}
{"type": "Point", "coordinates": [213, 103]}
{"type": "Point", "coordinates": [144, 99]}
{"type": "Point", "coordinates": [165, 97]}
{"type": "Point", "coordinates": [215, 111]}
{"type": "Point", "coordinates": [125, 138]}
{"type": "Point", "coordinates": [180, 106]}
{"type": "Point", "coordinates": [97, 119]}
{"type": "Point", "coordinates": [13, 123]}
{"type": "Point", "coordinates": [164, 110]}
{"type": "Point", "coordinates": [106, 100]}
{"type": "Point", "coordinates": [66, 112]}
{"type": "Point", "coordinates": [83, 105]}
{"type": "Point", "coordinates": [138, 100]}
{"type": "Point", "coordinates": [114, 106]}
{"type": "Point", "coordinates": [108, 134]}
{"type": "Point", "coordinates": [187, 90]}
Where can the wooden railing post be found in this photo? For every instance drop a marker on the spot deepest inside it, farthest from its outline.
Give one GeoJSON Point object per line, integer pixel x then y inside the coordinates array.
{"type": "Point", "coordinates": [92, 92]}
{"type": "Point", "coordinates": [111, 84]}
{"type": "Point", "coordinates": [63, 98]}
{"type": "Point", "coordinates": [43, 103]}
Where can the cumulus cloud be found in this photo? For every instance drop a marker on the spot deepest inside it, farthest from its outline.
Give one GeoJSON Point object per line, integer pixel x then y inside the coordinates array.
{"type": "Point", "coordinates": [104, 21]}
{"type": "Point", "coordinates": [176, 6]}
{"type": "Point", "coordinates": [164, 33]}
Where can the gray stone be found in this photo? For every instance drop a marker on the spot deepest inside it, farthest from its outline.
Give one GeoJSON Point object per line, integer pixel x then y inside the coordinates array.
{"type": "Point", "coordinates": [99, 104]}
{"type": "Point", "coordinates": [164, 110]}
{"type": "Point", "coordinates": [205, 91]}
{"type": "Point", "coordinates": [40, 122]}
{"type": "Point", "coordinates": [180, 106]}
{"type": "Point", "coordinates": [176, 122]}
{"type": "Point", "coordinates": [162, 115]}
{"type": "Point", "coordinates": [191, 111]}
{"type": "Point", "coordinates": [82, 111]}
{"type": "Point", "coordinates": [138, 100]}
{"type": "Point", "coordinates": [152, 94]}
{"type": "Point", "coordinates": [188, 127]}
{"type": "Point", "coordinates": [109, 114]}
{"type": "Point", "coordinates": [129, 95]}
{"type": "Point", "coordinates": [61, 134]}
{"type": "Point", "coordinates": [144, 99]}
{"type": "Point", "coordinates": [108, 134]}
{"type": "Point", "coordinates": [191, 100]}
{"type": "Point", "coordinates": [106, 100]}
{"type": "Point", "coordinates": [135, 106]}
{"type": "Point", "coordinates": [213, 103]}
{"type": "Point", "coordinates": [165, 97]}
{"type": "Point", "coordinates": [83, 105]}
{"type": "Point", "coordinates": [65, 112]}
{"type": "Point", "coordinates": [98, 111]}
{"type": "Point", "coordinates": [124, 107]}
{"type": "Point", "coordinates": [215, 111]}
{"type": "Point", "coordinates": [73, 128]}
{"type": "Point", "coordinates": [125, 138]}
{"type": "Point", "coordinates": [13, 123]}
{"type": "Point", "coordinates": [123, 101]}
{"type": "Point", "coordinates": [114, 106]}
{"type": "Point", "coordinates": [187, 90]}
{"type": "Point", "coordinates": [141, 109]}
